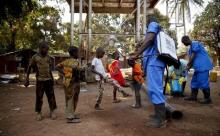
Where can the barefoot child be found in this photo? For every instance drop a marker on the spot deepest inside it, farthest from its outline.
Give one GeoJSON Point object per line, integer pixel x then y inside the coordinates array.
{"type": "Point", "coordinates": [137, 81]}
{"type": "Point", "coordinates": [44, 80]}
{"type": "Point", "coordinates": [116, 74]}
{"type": "Point", "coordinates": [98, 69]}
{"type": "Point", "coordinates": [70, 71]}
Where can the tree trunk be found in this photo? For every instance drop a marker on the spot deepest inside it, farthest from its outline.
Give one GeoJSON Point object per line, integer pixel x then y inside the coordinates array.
{"type": "Point", "coordinates": [11, 46]}
{"type": "Point", "coordinates": [218, 55]}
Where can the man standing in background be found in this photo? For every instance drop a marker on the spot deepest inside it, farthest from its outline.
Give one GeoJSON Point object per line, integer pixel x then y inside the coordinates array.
{"type": "Point", "coordinates": [201, 63]}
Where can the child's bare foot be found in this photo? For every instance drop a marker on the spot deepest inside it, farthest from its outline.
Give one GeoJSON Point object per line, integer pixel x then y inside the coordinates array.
{"type": "Point", "coordinates": [53, 115]}
{"type": "Point", "coordinates": [124, 93]}
{"type": "Point", "coordinates": [97, 107]}
{"type": "Point", "coordinates": [39, 116]}
{"type": "Point", "coordinates": [127, 95]}
{"type": "Point", "coordinates": [116, 101]}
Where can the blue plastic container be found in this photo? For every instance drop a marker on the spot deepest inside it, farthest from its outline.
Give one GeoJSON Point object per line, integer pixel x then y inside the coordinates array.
{"type": "Point", "coordinates": [176, 86]}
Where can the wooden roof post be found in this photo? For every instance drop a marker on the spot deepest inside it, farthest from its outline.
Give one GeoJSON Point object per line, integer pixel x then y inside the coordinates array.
{"type": "Point", "coordinates": [138, 21]}
{"type": "Point", "coordinates": [72, 23]}
{"type": "Point", "coordinates": [144, 16]}
{"type": "Point", "coordinates": [89, 29]}
{"type": "Point", "coordinates": [80, 22]}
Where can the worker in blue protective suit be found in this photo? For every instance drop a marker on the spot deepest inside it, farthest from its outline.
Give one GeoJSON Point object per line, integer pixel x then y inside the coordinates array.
{"type": "Point", "coordinates": [154, 70]}
{"type": "Point", "coordinates": [199, 60]}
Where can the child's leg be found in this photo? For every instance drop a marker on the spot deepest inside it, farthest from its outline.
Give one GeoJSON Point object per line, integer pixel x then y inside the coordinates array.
{"type": "Point", "coordinates": [70, 108]}
{"type": "Point", "coordinates": [39, 99]}
{"type": "Point", "coordinates": [136, 87]}
{"type": "Point", "coordinates": [76, 95]}
{"type": "Point", "coordinates": [70, 116]}
{"type": "Point", "coordinates": [114, 93]}
{"type": "Point", "coordinates": [119, 88]}
{"type": "Point", "coordinates": [69, 102]}
{"type": "Point", "coordinates": [138, 97]}
{"type": "Point", "coordinates": [115, 83]}
{"type": "Point", "coordinates": [115, 100]}
{"type": "Point", "coordinates": [70, 93]}
{"type": "Point", "coordinates": [49, 90]}
{"type": "Point", "coordinates": [99, 98]}
{"type": "Point", "coordinates": [39, 96]}
{"type": "Point", "coordinates": [183, 87]}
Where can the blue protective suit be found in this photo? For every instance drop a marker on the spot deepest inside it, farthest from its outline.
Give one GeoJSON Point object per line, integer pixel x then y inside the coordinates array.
{"type": "Point", "coordinates": [201, 64]}
{"type": "Point", "coordinates": [154, 68]}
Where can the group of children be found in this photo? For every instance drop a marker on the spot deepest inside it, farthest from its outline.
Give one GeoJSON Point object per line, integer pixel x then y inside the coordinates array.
{"type": "Point", "coordinates": [70, 69]}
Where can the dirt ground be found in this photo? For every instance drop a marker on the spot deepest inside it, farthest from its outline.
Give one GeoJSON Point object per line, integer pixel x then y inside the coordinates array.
{"type": "Point", "coordinates": [17, 117]}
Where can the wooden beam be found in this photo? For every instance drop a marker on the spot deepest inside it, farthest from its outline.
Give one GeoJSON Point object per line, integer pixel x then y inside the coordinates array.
{"type": "Point", "coordinates": [104, 34]}
{"type": "Point", "coordinates": [72, 23]}
{"type": "Point", "coordinates": [112, 6]}
{"type": "Point", "coordinates": [103, 3]}
{"type": "Point", "coordinates": [120, 3]}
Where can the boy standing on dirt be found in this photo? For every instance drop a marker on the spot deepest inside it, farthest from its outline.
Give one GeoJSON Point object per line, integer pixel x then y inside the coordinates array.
{"type": "Point", "coordinates": [70, 69]}
{"type": "Point", "coordinates": [99, 70]}
{"type": "Point", "coordinates": [44, 80]}
{"type": "Point", "coordinates": [137, 81]}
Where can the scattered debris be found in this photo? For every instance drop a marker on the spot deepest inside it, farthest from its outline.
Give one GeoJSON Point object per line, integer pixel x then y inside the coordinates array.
{"type": "Point", "coordinates": [16, 109]}
{"type": "Point", "coordinates": [8, 78]}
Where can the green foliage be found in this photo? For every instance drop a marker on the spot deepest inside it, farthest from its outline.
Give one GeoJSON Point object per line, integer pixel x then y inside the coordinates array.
{"type": "Point", "coordinates": [184, 6]}
{"type": "Point", "coordinates": [207, 27]}
{"type": "Point", "coordinates": [14, 9]}
{"type": "Point", "coordinates": [107, 23]}
{"type": "Point", "coordinates": [42, 23]}
{"type": "Point", "coordinates": [13, 13]}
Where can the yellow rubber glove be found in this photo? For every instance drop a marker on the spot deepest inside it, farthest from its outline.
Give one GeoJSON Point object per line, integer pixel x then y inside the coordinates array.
{"type": "Point", "coordinates": [168, 88]}
{"type": "Point", "coordinates": [181, 80]}
{"type": "Point", "coordinates": [173, 76]}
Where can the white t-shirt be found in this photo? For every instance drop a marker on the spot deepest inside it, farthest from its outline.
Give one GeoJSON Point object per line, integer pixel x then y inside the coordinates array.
{"type": "Point", "coordinates": [97, 63]}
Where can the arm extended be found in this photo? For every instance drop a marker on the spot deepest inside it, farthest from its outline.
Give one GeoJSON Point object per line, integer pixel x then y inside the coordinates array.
{"type": "Point", "coordinates": [59, 69]}
{"type": "Point", "coordinates": [146, 43]}
{"type": "Point", "coordinates": [190, 63]}
{"type": "Point", "coordinates": [26, 84]}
